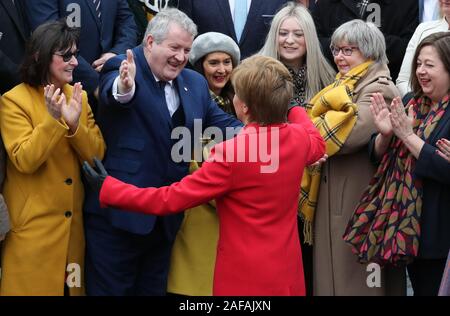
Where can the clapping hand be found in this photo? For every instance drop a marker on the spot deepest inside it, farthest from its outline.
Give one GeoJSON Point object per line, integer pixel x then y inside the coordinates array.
{"type": "Point", "coordinates": [443, 148]}
{"type": "Point", "coordinates": [58, 107]}
{"type": "Point", "coordinates": [380, 114]}
{"type": "Point", "coordinates": [71, 111]}
{"type": "Point", "coordinates": [53, 101]}
{"type": "Point", "coordinates": [95, 176]}
{"type": "Point", "coordinates": [401, 123]}
{"type": "Point", "coordinates": [127, 73]}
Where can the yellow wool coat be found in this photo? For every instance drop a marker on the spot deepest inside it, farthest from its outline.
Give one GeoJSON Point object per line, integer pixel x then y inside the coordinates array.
{"type": "Point", "coordinates": [44, 193]}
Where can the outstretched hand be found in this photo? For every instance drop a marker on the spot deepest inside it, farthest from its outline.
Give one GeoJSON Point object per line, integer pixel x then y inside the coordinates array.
{"type": "Point", "coordinates": [95, 176]}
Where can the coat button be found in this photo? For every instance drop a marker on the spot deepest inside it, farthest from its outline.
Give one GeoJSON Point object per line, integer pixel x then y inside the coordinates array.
{"type": "Point", "coordinates": [68, 181]}
{"type": "Point", "coordinates": [68, 214]}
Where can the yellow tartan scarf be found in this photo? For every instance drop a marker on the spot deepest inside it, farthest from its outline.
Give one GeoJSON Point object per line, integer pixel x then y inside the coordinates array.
{"type": "Point", "coordinates": [334, 114]}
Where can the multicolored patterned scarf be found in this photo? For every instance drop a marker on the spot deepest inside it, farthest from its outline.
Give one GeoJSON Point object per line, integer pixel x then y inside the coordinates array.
{"type": "Point", "coordinates": [385, 227]}
{"type": "Point", "coordinates": [334, 114]}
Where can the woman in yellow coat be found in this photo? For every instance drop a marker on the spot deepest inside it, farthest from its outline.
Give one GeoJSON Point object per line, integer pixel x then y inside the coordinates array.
{"type": "Point", "coordinates": [47, 128]}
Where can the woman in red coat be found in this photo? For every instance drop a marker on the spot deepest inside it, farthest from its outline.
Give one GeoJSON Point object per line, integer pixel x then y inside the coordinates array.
{"type": "Point", "coordinates": [254, 178]}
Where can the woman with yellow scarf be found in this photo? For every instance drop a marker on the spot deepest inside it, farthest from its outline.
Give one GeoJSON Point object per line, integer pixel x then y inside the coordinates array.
{"type": "Point", "coordinates": [330, 192]}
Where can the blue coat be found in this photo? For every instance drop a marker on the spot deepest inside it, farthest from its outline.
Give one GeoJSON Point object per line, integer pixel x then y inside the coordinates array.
{"type": "Point", "coordinates": [115, 33]}
{"type": "Point", "coordinates": [215, 16]}
{"type": "Point", "coordinates": [138, 135]}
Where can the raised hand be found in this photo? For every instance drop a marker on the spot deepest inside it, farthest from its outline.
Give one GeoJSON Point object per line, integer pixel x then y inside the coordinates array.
{"type": "Point", "coordinates": [380, 114]}
{"type": "Point", "coordinates": [401, 123]}
{"type": "Point", "coordinates": [53, 101]}
{"type": "Point", "coordinates": [443, 148]}
{"type": "Point", "coordinates": [71, 110]}
{"type": "Point", "coordinates": [127, 73]}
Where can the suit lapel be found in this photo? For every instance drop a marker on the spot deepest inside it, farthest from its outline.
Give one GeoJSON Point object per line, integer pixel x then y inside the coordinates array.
{"type": "Point", "coordinates": [14, 14]}
{"type": "Point", "coordinates": [224, 6]}
{"type": "Point", "coordinates": [90, 4]}
{"type": "Point", "coordinates": [184, 94]}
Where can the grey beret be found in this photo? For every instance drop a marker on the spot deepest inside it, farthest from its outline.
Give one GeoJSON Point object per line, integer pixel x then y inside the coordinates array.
{"type": "Point", "coordinates": [212, 42]}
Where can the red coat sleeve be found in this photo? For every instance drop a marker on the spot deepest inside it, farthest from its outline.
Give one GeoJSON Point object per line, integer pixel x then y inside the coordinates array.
{"type": "Point", "coordinates": [212, 180]}
{"type": "Point", "coordinates": [297, 115]}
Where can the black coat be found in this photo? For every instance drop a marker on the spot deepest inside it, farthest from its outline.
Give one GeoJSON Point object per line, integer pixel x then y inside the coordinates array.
{"type": "Point", "coordinates": [399, 20]}
{"type": "Point", "coordinates": [13, 35]}
{"type": "Point", "coordinates": [435, 174]}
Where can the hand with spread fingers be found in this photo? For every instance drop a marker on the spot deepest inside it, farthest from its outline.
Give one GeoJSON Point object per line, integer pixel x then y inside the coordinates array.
{"type": "Point", "coordinates": [401, 123]}
{"type": "Point", "coordinates": [380, 114]}
{"type": "Point", "coordinates": [443, 148]}
{"type": "Point", "coordinates": [53, 101]}
{"type": "Point", "coordinates": [95, 176]}
{"type": "Point", "coordinates": [71, 111]}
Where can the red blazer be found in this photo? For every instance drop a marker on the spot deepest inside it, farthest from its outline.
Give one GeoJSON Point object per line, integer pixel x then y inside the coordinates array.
{"type": "Point", "coordinates": [258, 252]}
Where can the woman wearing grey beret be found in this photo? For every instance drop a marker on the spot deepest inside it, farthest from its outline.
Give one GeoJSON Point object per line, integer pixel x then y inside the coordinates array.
{"type": "Point", "coordinates": [214, 55]}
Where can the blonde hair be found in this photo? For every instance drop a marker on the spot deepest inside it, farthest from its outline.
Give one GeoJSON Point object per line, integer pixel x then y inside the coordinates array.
{"type": "Point", "coordinates": [319, 72]}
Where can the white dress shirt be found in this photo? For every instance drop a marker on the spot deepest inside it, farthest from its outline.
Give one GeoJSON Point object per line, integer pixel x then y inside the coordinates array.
{"type": "Point", "coordinates": [172, 98]}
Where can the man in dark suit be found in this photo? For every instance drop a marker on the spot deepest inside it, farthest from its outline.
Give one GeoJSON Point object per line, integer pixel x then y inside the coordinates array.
{"type": "Point", "coordinates": [145, 96]}
{"type": "Point", "coordinates": [13, 35]}
{"type": "Point", "coordinates": [107, 29]}
{"type": "Point", "coordinates": [220, 16]}
{"type": "Point", "coordinates": [397, 20]}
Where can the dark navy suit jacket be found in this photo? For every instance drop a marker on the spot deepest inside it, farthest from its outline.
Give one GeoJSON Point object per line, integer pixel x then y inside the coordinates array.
{"type": "Point", "coordinates": [115, 33]}
{"type": "Point", "coordinates": [215, 16]}
{"type": "Point", "coordinates": [13, 34]}
{"type": "Point", "coordinates": [138, 136]}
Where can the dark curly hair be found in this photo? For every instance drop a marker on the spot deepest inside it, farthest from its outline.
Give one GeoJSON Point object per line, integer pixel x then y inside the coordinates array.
{"type": "Point", "coordinates": [47, 39]}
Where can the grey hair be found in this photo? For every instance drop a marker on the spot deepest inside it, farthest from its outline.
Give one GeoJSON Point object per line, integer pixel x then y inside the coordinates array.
{"type": "Point", "coordinates": [159, 24]}
{"type": "Point", "coordinates": [366, 36]}
{"type": "Point", "coordinates": [319, 71]}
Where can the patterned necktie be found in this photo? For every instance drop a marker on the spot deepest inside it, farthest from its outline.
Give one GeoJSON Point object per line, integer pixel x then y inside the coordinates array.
{"type": "Point", "coordinates": [240, 17]}
{"type": "Point", "coordinates": [97, 4]}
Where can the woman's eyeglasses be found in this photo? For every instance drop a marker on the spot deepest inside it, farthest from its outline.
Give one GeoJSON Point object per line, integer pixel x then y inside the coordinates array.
{"type": "Point", "coordinates": [346, 50]}
{"type": "Point", "coordinates": [66, 57]}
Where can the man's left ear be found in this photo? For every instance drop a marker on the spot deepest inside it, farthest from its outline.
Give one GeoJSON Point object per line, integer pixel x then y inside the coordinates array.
{"type": "Point", "coordinates": [245, 109]}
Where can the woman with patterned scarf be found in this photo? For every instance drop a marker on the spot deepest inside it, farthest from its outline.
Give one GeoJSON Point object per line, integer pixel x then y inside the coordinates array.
{"type": "Point", "coordinates": [214, 55]}
{"type": "Point", "coordinates": [403, 217]}
{"type": "Point", "coordinates": [330, 193]}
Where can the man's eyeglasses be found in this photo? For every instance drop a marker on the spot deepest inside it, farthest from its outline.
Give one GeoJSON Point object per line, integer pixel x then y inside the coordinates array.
{"type": "Point", "coordinates": [346, 50]}
{"type": "Point", "coordinates": [66, 57]}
